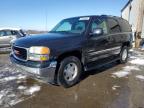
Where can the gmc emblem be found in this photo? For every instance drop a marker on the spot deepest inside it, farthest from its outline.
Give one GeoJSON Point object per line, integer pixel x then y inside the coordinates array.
{"type": "Point", "coordinates": [17, 52]}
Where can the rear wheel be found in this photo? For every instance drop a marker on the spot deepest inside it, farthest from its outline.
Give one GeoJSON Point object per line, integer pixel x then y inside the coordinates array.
{"type": "Point", "coordinates": [124, 55]}
{"type": "Point", "coordinates": [69, 71]}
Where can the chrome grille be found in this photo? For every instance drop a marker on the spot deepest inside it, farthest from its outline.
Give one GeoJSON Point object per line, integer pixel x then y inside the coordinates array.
{"type": "Point", "coordinates": [19, 52]}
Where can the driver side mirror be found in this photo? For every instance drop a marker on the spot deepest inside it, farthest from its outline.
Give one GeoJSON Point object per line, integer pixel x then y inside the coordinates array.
{"type": "Point", "coordinates": [97, 32]}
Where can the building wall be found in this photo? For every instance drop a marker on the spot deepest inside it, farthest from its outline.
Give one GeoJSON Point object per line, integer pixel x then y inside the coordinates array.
{"type": "Point", "coordinates": [125, 13]}
{"type": "Point", "coordinates": [133, 18]}
{"type": "Point", "coordinates": [135, 15]}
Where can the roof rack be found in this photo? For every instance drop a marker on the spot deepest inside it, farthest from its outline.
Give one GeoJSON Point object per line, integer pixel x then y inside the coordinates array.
{"type": "Point", "coordinates": [110, 15]}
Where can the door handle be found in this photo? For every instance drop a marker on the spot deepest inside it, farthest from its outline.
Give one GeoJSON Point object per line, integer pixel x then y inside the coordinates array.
{"type": "Point", "coordinates": [109, 38]}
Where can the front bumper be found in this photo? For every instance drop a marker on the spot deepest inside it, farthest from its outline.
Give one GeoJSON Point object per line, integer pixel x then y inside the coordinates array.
{"type": "Point", "coordinates": [46, 74]}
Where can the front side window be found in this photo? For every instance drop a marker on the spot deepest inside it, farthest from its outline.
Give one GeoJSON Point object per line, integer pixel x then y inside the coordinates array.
{"type": "Point", "coordinates": [8, 33]}
{"type": "Point", "coordinates": [99, 23]}
{"type": "Point", "coordinates": [19, 33]}
{"type": "Point", "coordinates": [73, 25]}
{"type": "Point", "coordinates": [14, 32]}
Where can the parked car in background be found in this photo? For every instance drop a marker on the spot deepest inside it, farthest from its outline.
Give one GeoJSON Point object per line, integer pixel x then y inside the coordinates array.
{"type": "Point", "coordinates": [9, 35]}
{"type": "Point", "coordinates": [75, 45]}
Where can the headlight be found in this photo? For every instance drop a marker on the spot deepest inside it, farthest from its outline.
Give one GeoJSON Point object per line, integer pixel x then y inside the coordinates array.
{"type": "Point", "coordinates": [39, 50]}
{"type": "Point", "coordinates": [39, 53]}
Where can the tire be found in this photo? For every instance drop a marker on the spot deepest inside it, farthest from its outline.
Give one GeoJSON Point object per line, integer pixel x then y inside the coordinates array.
{"type": "Point", "coordinates": [69, 71]}
{"type": "Point", "coordinates": [124, 55]}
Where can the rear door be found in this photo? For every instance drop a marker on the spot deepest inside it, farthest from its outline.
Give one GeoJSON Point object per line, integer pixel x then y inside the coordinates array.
{"type": "Point", "coordinates": [114, 36]}
{"type": "Point", "coordinates": [4, 39]}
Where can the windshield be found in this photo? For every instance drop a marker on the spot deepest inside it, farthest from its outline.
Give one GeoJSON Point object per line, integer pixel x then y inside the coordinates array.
{"type": "Point", "coordinates": [73, 25]}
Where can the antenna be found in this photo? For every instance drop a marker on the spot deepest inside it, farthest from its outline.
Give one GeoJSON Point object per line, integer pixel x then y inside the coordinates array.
{"type": "Point", "coordinates": [46, 20]}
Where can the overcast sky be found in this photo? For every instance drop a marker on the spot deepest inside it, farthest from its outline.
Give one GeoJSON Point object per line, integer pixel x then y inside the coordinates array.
{"type": "Point", "coordinates": [45, 14]}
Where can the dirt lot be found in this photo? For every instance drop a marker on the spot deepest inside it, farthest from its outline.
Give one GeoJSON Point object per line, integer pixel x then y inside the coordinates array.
{"type": "Point", "coordinates": [111, 86]}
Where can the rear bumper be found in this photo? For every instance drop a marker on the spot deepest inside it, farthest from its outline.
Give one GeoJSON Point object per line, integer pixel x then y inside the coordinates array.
{"type": "Point", "coordinates": [46, 74]}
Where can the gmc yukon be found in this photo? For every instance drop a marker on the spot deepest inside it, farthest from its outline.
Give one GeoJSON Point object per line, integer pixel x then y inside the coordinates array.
{"type": "Point", "coordinates": [75, 45]}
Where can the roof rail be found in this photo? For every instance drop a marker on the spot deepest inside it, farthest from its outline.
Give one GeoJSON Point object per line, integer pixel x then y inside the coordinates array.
{"type": "Point", "coordinates": [110, 15]}
{"type": "Point", "coordinates": [103, 15]}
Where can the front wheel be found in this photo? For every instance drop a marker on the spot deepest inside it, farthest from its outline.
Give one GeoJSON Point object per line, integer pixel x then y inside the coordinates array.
{"type": "Point", "coordinates": [69, 71]}
{"type": "Point", "coordinates": [124, 55]}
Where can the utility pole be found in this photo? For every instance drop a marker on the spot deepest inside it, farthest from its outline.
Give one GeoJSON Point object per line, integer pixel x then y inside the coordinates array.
{"type": "Point", "coordinates": [46, 29]}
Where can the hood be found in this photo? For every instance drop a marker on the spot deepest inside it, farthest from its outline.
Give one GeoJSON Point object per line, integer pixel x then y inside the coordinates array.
{"type": "Point", "coordinates": [49, 40]}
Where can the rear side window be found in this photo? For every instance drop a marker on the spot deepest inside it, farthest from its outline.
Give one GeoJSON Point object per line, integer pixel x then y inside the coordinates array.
{"type": "Point", "coordinates": [125, 27]}
{"type": "Point", "coordinates": [114, 27]}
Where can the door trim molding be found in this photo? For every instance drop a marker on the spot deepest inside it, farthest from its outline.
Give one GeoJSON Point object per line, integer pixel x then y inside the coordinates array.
{"type": "Point", "coordinates": [103, 51]}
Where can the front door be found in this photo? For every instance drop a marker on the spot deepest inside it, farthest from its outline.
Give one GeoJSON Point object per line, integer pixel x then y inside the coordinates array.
{"type": "Point", "coordinates": [98, 46]}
